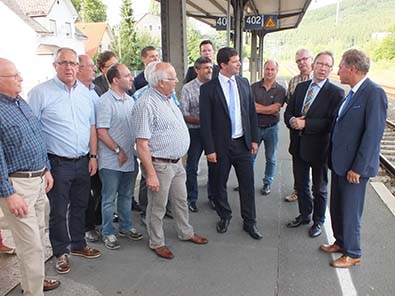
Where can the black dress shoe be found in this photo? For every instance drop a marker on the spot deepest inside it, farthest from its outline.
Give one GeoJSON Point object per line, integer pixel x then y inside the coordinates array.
{"type": "Point", "coordinates": [265, 189]}
{"type": "Point", "coordinates": [297, 222]}
{"type": "Point", "coordinates": [222, 225]}
{"type": "Point", "coordinates": [315, 230]}
{"type": "Point", "coordinates": [252, 231]}
{"type": "Point", "coordinates": [193, 207]}
{"type": "Point", "coordinates": [169, 214]}
{"type": "Point", "coordinates": [135, 206]}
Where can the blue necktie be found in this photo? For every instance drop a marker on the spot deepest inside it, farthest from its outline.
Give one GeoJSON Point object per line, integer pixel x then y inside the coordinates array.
{"type": "Point", "coordinates": [232, 106]}
{"type": "Point", "coordinates": [346, 102]}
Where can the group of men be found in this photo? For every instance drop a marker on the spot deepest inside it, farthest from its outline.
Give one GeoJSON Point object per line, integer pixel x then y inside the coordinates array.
{"type": "Point", "coordinates": [73, 128]}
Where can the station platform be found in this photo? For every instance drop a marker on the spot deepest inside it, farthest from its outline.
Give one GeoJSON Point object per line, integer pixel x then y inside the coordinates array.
{"type": "Point", "coordinates": [285, 262]}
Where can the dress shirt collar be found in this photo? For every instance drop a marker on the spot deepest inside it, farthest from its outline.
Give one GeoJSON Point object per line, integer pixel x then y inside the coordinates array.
{"type": "Point", "coordinates": [7, 99]}
{"type": "Point", "coordinates": [319, 84]}
{"type": "Point", "coordinates": [162, 96]}
{"type": "Point", "coordinates": [61, 84]}
{"type": "Point", "coordinates": [224, 79]}
{"type": "Point", "coordinates": [358, 85]}
{"type": "Point", "coordinates": [118, 97]}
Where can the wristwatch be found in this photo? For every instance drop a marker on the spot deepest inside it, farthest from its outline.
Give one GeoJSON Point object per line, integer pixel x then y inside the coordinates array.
{"type": "Point", "coordinates": [92, 155]}
{"type": "Point", "coordinates": [117, 150]}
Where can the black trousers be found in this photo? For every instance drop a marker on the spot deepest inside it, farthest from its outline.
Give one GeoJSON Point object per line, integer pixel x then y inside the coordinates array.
{"type": "Point", "coordinates": [307, 206]}
{"type": "Point", "coordinates": [68, 201]}
{"type": "Point", "coordinates": [241, 158]}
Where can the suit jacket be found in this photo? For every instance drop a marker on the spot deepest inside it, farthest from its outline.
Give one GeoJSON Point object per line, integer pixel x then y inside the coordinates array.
{"type": "Point", "coordinates": [358, 131]}
{"type": "Point", "coordinates": [191, 73]}
{"type": "Point", "coordinates": [139, 81]}
{"type": "Point", "coordinates": [101, 85]}
{"type": "Point", "coordinates": [215, 124]}
{"type": "Point", "coordinates": [311, 144]}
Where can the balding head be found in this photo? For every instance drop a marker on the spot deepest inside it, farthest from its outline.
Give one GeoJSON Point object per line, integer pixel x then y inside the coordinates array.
{"type": "Point", "coordinates": [86, 71]}
{"type": "Point", "coordinates": [10, 79]}
{"type": "Point", "coordinates": [163, 78]}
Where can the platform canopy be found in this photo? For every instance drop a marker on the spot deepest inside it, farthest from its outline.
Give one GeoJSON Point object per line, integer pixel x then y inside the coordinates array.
{"type": "Point", "coordinates": [289, 12]}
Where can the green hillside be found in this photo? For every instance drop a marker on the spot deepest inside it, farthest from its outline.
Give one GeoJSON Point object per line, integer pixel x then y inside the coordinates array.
{"type": "Point", "coordinates": [357, 20]}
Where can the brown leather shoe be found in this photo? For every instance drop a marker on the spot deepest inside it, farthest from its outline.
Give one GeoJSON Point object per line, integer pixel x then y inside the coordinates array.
{"type": "Point", "coordinates": [163, 252]}
{"type": "Point", "coordinates": [197, 239]}
{"type": "Point", "coordinates": [50, 285]}
{"type": "Point", "coordinates": [334, 248]}
{"type": "Point", "coordinates": [345, 262]}
{"type": "Point", "coordinates": [86, 252]}
{"type": "Point", "coordinates": [63, 264]}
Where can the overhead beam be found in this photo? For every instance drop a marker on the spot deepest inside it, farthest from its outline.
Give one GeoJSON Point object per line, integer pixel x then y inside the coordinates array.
{"type": "Point", "coordinates": [218, 6]}
{"type": "Point", "coordinates": [198, 8]}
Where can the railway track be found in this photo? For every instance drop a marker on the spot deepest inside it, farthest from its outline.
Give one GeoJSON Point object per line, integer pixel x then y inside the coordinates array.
{"type": "Point", "coordinates": [387, 154]}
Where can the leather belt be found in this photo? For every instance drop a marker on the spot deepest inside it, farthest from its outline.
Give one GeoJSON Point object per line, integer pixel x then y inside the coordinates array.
{"type": "Point", "coordinates": [50, 155]}
{"type": "Point", "coordinates": [165, 159]}
{"type": "Point", "coordinates": [269, 125]}
{"type": "Point", "coordinates": [28, 174]}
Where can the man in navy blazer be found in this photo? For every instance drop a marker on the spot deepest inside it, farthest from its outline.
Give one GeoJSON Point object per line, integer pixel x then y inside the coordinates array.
{"type": "Point", "coordinates": [354, 157]}
{"type": "Point", "coordinates": [228, 125]}
{"type": "Point", "coordinates": [308, 116]}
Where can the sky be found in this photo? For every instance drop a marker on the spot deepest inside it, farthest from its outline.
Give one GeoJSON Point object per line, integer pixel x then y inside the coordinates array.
{"type": "Point", "coordinates": [141, 6]}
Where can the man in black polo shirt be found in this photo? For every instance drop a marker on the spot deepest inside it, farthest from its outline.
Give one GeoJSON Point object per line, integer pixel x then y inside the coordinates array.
{"type": "Point", "coordinates": [269, 98]}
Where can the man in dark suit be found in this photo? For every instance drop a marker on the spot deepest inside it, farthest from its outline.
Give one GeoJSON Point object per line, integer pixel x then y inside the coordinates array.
{"type": "Point", "coordinates": [309, 116]}
{"type": "Point", "coordinates": [206, 51]}
{"type": "Point", "coordinates": [355, 148]}
{"type": "Point", "coordinates": [228, 125]}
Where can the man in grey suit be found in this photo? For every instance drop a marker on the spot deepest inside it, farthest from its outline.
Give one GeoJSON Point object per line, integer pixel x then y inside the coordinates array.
{"type": "Point", "coordinates": [354, 156]}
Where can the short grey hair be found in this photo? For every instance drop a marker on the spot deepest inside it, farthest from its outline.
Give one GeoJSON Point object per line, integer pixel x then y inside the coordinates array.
{"type": "Point", "coordinates": [156, 75]}
{"type": "Point", "coordinates": [62, 49]}
{"type": "Point", "coordinates": [270, 61]}
{"type": "Point", "coordinates": [358, 58]}
{"type": "Point", "coordinates": [149, 68]}
{"type": "Point", "coordinates": [308, 51]}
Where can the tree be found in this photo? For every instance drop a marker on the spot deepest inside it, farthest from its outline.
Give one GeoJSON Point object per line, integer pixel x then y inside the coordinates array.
{"type": "Point", "coordinates": [193, 40]}
{"type": "Point", "coordinates": [154, 8]}
{"type": "Point", "coordinates": [126, 47]}
{"type": "Point", "coordinates": [91, 10]}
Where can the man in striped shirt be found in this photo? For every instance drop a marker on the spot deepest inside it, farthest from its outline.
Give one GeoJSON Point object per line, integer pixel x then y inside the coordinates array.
{"type": "Point", "coordinates": [162, 139]}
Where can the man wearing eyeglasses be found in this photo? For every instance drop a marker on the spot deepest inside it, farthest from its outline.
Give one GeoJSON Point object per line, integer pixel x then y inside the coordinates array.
{"type": "Point", "coordinates": [162, 139]}
{"type": "Point", "coordinates": [65, 111]}
{"type": "Point", "coordinates": [308, 116]}
{"type": "Point", "coordinates": [25, 179]}
{"type": "Point", "coordinates": [304, 61]}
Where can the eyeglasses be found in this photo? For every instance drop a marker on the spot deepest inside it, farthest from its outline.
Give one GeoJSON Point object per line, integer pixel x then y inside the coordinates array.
{"type": "Point", "coordinates": [67, 63]}
{"type": "Point", "coordinates": [323, 65]}
{"type": "Point", "coordinates": [170, 79]}
{"type": "Point", "coordinates": [302, 59]}
{"type": "Point", "coordinates": [15, 76]}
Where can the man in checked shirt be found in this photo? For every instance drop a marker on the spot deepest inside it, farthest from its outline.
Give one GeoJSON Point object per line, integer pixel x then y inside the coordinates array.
{"type": "Point", "coordinates": [24, 180]}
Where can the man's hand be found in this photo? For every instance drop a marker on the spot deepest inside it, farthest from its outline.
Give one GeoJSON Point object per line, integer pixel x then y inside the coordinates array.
{"type": "Point", "coordinates": [122, 157]}
{"type": "Point", "coordinates": [92, 166]}
{"type": "Point", "coordinates": [152, 183]}
{"type": "Point", "coordinates": [48, 181]}
{"type": "Point", "coordinates": [298, 123]}
{"type": "Point", "coordinates": [212, 157]}
{"type": "Point", "coordinates": [17, 205]}
{"type": "Point", "coordinates": [254, 149]}
{"type": "Point", "coordinates": [353, 177]}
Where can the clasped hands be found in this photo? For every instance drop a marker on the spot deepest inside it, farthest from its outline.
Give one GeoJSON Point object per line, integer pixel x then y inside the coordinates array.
{"type": "Point", "coordinates": [298, 123]}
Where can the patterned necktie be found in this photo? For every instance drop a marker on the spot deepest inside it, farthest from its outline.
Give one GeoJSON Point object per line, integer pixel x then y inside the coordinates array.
{"type": "Point", "coordinates": [232, 105]}
{"type": "Point", "coordinates": [346, 102]}
{"type": "Point", "coordinates": [309, 99]}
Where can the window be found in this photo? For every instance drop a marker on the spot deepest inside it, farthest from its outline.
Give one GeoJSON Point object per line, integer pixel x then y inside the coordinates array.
{"type": "Point", "coordinates": [68, 30]}
{"type": "Point", "coordinates": [52, 27]}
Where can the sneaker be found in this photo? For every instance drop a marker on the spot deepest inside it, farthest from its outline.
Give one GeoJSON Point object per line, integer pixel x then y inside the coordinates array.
{"type": "Point", "coordinates": [111, 242]}
{"type": "Point", "coordinates": [92, 236]}
{"type": "Point", "coordinates": [132, 234]}
{"type": "Point", "coordinates": [292, 197]}
{"type": "Point", "coordinates": [266, 189]}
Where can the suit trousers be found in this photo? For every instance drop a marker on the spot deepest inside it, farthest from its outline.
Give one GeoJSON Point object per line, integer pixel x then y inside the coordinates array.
{"type": "Point", "coordinates": [346, 207]}
{"type": "Point", "coordinates": [308, 207]}
{"type": "Point", "coordinates": [172, 179]}
{"type": "Point", "coordinates": [241, 158]}
{"type": "Point", "coordinates": [68, 201]}
{"type": "Point", "coordinates": [29, 232]}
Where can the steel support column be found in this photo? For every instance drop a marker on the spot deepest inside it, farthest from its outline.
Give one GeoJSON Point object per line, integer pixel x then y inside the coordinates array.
{"type": "Point", "coordinates": [253, 60]}
{"type": "Point", "coordinates": [261, 35]}
{"type": "Point", "coordinates": [238, 12]}
{"type": "Point", "coordinates": [174, 36]}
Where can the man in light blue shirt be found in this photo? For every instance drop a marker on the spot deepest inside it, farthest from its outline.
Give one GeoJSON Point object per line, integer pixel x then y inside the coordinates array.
{"type": "Point", "coordinates": [65, 111]}
{"type": "Point", "coordinates": [117, 163]}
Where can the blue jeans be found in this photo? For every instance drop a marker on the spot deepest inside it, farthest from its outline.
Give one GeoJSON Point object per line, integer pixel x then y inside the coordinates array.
{"type": "Point", "coordinates": [269, 137]}
{"type": "Point", "coordinates": [116, 185]}
{"type": "Point", "coordinates": [194, 153]}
